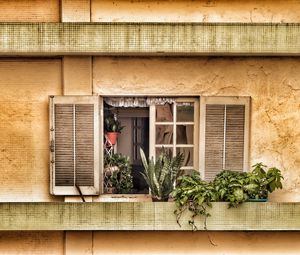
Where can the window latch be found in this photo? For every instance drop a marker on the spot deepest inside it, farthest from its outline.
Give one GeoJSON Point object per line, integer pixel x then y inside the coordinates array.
{"type": "Point", "coordinates": [52, 145]}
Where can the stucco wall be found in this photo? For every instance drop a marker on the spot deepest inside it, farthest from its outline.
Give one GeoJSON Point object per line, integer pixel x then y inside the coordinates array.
{"type": "Point", "coordinates": [24, 159]}
{"type": "Point", "coordinates": [226, 243]}
{"type": "Point", "coordinates": [196, 11]}
{"type": "Point", "coordinates": [32, 243]}
{"type": "Point", "coordinates": [29, 11]}
{"type": "Point", "coordinates": [272, 84]}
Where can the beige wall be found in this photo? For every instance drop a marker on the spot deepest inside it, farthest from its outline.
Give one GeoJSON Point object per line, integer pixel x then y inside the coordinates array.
{"type": "Point", "coordinates": [196, 11]}
{"type": "Point", "coordinates": [24, 127]}
{"type": "Point", "coordinates": [29, 11]}
{"type": "Point", "coordinates": [272, 83]}
{"type": "Point", "coordinates": [31, 243]}
{"type": "Point", "coordinates": [152, 243]}
{"type": "Point", "coordinates": [227, 243]}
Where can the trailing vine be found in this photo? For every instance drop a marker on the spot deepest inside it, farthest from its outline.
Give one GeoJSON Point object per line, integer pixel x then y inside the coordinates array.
{"type": "Point", "coordinates": [196, 195]}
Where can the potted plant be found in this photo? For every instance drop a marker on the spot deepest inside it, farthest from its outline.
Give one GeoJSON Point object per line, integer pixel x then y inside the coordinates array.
{"type": "Point", "coordinates": [112, 128]}
{"type": "Point", "coordinates": [195, 195]}
{"type": "Point", "coordinates": [261, 182]}
{"type": "Point", "coordinates": [161, 174]}
{"type": "Point", "coordinates": [117, 174]}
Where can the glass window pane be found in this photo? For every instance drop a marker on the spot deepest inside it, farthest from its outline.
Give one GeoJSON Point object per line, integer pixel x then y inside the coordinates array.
{"type": "Point", "coordinates": [164, 134]}
{"type": "Point", "coordinates": [188, 154]}
{"type": "Point", "coordinates": [158, 151]}
{"type": "Point", "coordinates": [164, 113]}
{"type": "Point", "coordinates": [185, 112]}
{"type": "Point", "coordinates": [185, 134]}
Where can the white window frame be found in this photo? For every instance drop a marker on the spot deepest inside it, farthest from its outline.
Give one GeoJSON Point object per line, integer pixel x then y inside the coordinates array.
{"type": "Point", "coordinates": [174, 123]}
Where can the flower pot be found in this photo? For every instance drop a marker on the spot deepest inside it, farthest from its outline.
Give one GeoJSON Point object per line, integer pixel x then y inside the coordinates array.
{"type": "Point", "coordinates": [112, 137]}
{"type": "Point", "coordinates": [157, 199]}
{"type": "Point", "coordinates": [257, 200]}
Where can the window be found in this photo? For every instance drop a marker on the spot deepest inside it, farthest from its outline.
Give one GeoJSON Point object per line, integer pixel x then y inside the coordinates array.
{"type": "Point", "coordinates": [174, 127]}
{"type": "Point", "coordinates": [211, 132]}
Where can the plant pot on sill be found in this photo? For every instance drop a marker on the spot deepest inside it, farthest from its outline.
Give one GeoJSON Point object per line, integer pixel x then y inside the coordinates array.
{"type": "Point", "coordinates": [112, 137]}
{"type": "Point", "coordinates": [158, 199]}
{"type": "Point", "coordinates": [258, 200]}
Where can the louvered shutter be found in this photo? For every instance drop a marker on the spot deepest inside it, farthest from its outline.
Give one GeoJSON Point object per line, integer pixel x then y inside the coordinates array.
{"type": "Point", "coordinates": [74, 145]}
{"type": "Point", "coordinates": [224, 134]}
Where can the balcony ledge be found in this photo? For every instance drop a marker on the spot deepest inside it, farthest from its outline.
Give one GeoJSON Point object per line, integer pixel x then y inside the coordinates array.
{"type": "Point", "coordinates": [146, 216]}
{"type": "Point", "coordinates": [166, 39]}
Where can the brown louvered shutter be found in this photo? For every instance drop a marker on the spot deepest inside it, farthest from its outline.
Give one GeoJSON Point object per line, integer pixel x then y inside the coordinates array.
{"type": "Point", "coordinates": [225, 135]}
{"type": "Point", "coordinates": [74, 138]}
{"type": "Point", "coordinates": [214, 140]}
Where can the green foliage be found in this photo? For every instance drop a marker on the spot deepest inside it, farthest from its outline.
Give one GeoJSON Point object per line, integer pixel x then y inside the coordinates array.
{"type": "Point", "coordinates": [161, 175]}
{"type": "Point", "coordinates": [262, 181]}
{"type": "Point", "coordinates": [195, 195]}
{"type": "Point", "coordinates": [121, 180]}
{"type": "Point", "coordinates": [229, 186]}
{"type": "Point", "coordinates": [111, 124]}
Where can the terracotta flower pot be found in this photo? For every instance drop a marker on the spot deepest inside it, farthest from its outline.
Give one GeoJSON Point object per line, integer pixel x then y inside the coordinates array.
{"type": "Point", "coordinates": [112, 137]}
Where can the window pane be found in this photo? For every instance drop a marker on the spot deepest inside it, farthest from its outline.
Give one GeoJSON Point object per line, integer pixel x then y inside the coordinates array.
{"type": "Point", "coordinates": [185, 134]}
{"type": "Point", "coordinates": [164, 134]}
{"type": "Point", "coordinates": [185, 112]}
{"type": "Point", "coordinates": [188, 154]}
{"type": "Point", "coordinates": [158, 151]}
{"type": "Point", "coordinates": [164, 113]}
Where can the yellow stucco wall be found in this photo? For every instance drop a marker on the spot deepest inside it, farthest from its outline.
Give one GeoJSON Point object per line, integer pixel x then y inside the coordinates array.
{"type": "Point", "coordinates": [25, 86]}
{"type": "Point", "coordinates": [32, 243]}
{"type": "Point", "coordinates": [226, 243]}
{"type": "Point", "coordinates": [272, 84]}
{"type": "Point", "coordinates": [29, 11]}
{"type": "Point", "coordinates": [196, 11]}
{"type": "Point", "coordinates": [152, 243]}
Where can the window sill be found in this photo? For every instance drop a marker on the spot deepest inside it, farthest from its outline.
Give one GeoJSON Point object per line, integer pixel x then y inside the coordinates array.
{"type": "Point", "coordinates": [123, 198]}
{"type": "Point", "coordinates": [146, 216]}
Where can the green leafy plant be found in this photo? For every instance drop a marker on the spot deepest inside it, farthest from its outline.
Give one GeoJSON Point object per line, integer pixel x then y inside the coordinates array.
{"type": "Point", "coordinates": [111, 124]}
{"type": "Point", "coordinates": [262, 181]}
{"type": "Point", "coordinates": [229, 186]}
{"type": "Point", "coordinates": [195, 195]}
{"type": "Point", "coordinates": [161, 175]}
{"type": "Point", "coordinates": [120, 176]}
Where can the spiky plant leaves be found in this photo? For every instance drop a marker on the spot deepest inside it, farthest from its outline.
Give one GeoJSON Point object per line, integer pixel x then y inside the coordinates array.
{"type": "Point", "coordinates": [161, 175]}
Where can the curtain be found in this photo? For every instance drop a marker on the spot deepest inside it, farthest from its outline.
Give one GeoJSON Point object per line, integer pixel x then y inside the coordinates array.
{"type": "Point", "coordinates": [138, 101]}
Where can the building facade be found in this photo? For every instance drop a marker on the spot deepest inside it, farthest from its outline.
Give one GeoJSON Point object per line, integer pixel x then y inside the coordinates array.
{"type": "Point", "coordinates": [142, 49]}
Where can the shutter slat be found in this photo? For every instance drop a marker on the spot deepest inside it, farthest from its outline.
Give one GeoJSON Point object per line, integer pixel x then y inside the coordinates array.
{"type": "Point", "coordinates": [214, 140]}
{"type": "Point", "coordinates": [75, 159]}
{"type": "Point", "coordinates": [84, 138]}
{"type": "Point", "coordinates": [64, 145]}
{"type": "Point", "coordinates": [234, 147]}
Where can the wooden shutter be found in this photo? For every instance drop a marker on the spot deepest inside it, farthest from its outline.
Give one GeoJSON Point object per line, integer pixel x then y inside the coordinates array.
{"type": "Point", "coordinates": [74, 145]}
{"type": "Point", "coordinates": [224, 134]}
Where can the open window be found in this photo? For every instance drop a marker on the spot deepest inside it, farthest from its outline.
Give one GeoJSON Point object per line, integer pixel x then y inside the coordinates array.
{"type": "Point", "coordinates": [211, 132]}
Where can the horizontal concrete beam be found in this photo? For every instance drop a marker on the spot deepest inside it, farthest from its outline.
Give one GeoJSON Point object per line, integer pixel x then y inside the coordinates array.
{"type": "Point", "coordinates": [149, 38]}
{"type": "Point", "coordinates": [145, 216]}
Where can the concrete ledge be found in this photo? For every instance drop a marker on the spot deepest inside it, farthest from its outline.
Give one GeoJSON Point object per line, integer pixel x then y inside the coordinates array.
{"type": "Point", "coordinates": [145, 216]}
{"type": "Point", "coordinates": [149, 39]}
